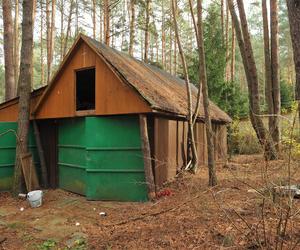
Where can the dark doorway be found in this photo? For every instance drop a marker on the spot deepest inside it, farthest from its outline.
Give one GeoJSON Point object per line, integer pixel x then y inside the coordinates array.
{"type": "Point", "coordinates": [49, 138]}
{"type": "Point", "coordinates": [85, 89]}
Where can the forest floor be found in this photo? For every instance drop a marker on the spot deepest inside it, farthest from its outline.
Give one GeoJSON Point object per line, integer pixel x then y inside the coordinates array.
{"type": "Point", "coordinates": [231, 215]}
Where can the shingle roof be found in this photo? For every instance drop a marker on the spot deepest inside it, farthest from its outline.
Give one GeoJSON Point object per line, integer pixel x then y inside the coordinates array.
{"type": "Point", "coordinates": [163, 91]}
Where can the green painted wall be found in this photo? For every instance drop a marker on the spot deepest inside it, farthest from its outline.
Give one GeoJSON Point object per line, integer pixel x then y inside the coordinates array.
{"type": "Point", "coordinates": [8, 151]}
{"type": "Point", "coordinates": [72, 155]}
{"type": "Point", "coordinates": [7, 155]}
{"type": "Point", "coordinates": [101, 157]}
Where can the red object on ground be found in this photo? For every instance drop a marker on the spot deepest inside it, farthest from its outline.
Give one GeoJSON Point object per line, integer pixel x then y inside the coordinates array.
{"type": "Point", "coordinates": [166, 192]}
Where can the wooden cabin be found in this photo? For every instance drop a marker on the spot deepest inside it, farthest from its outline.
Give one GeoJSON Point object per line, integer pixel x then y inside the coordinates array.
{"type": "Point", "coordinates": [88, 118]}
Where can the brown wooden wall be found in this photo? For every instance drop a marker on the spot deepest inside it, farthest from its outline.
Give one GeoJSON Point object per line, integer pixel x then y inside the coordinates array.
{"type": "Point", "coordinates": [170, 145]}
{"type": "Point", "coordinates": [220, 141]}
{"type": "Point", "coordinates": [9, 110]}
{"type": "Point", "coordinates": [112, 95]}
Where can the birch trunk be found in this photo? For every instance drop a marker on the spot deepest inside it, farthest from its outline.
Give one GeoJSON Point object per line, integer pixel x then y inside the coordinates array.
{"type": "Point", "coordinates": [191, 139]}
{"type": "Point", "coordinates": [274, 126]}
{"type": "Point", "coordinates": [203, 80]}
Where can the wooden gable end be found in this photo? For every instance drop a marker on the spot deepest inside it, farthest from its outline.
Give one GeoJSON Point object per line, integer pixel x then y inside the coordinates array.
{"type": "Point", "coordinates": [112, 96]}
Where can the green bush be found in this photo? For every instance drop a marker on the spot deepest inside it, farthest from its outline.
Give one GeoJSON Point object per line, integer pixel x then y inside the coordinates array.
{"type": "Point", "coordinates": [242, 139]}
{"type": "Point", "coordinates": [287, 96]}
{"type": "Point", "coordinates": [290, 133]}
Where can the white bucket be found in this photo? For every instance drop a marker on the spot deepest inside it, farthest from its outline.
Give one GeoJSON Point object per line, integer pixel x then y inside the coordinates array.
{"type": "Point", "coordinates": [35, 198]}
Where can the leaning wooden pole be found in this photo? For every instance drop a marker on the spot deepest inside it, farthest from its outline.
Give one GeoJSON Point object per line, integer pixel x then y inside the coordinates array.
{"type": "Point", "coordinates": [41, 154]}
{"type": "Point", "coordinates": [147, 157]}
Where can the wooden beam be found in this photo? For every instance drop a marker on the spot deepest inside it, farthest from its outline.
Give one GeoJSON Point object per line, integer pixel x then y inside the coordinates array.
{"type": "Point", "coordinates": [29, 172]}
{"type": "Point", "coordinates": [147, 157]}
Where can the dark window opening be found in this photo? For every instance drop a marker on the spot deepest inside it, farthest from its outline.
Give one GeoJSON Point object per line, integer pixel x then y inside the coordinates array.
{"type": "Point", "coordinates": [85, 89]}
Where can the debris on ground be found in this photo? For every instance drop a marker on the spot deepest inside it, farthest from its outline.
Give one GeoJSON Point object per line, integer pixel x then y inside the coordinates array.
{"type": "Point", "coordinates": [2, 239]}
{"type": "Point", "coordinates": [292, 190]}
{"type": "Point", "coordinates": [166, 192]}
{"type": "Point", "coordinates": [192, 216]}
{"type": "Point", "coordinates": [77, 240]}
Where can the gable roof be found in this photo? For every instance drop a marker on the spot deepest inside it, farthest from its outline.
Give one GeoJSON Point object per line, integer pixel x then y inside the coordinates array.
{"type": "Point", "coordinates": [161, 90]}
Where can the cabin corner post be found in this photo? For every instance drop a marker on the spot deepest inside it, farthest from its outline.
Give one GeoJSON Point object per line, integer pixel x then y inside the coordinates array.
{"type": "Point", "coordinates": [41, 153]}
{"type": "Point", "coordinates": [147, 157]}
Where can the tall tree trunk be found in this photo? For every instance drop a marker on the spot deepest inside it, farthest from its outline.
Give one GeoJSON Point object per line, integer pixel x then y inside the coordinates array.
{"type": "Point", "coordinates": [132, 27]}
{"type": "Point", "coordinates": [268, 67]}
{"type": "Point", "coordinates": [232, 74]}
{"type": "Point", "coordinates": [112, 44]}
{"type": "Point", "coordinates": [171, 48]}
{"type": "Point", "coordinates": [24, 91]}
{"type": "Point", "coordinates": [142, 44]}
{"type": "Point", "coordinates": [191, 138]}
{"type": "Point", "coordinates": [101, 24]}
{"type": "Point", "coordinates": [294, 20]}
{"type": "Point", "coordinates": [8, 45]}
{"type": "Point", "coordinates": [16, 44]}
{"type": "Point", "coordinates": [52, 36]}
{"type": "Point", "coordinates": [227, 70]}
{"type": "Point", "coordinates": [194, 23]}
{"type": "Point", "coordinates": [157, 48]}
{"type": "Point", "coordinates": [42, 45]}
{"type": "Point", "coordinates": [222, 20]}
{"type": "Point", "coordinates": [107, 22]}
{"type": "Point", "coordinates": [152, 48]}
{"type": "Point", "coordinates": [48, 38]}
{"type": "Point", "coordinates": [62, 29]}
{"type": "Point", "coordinates": [72, 5]}
{"type": "Point", "coordinates": [147, 24]}
{"type": "Point", "coordinates": [203, 80]}
{"type": "Point", "coordinates": [274, 126]}
{"type": "Point", "coordinates": [244, 42]}
{"type": "Point", "coordinates": [175, 59]}
{"type": "Point", "coordinates": [77, 17]}
{"type": "Point", "coordinates": [94, 19]}
{"type": "Point", "coordinates": [267, 54]}
{"type": "Point", "coordinates": [163, 36]}
{"type": "Point", "coordinates": [123, 34]}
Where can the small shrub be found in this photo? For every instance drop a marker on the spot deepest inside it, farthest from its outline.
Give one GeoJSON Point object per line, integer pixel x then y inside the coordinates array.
{"type": "Point", "coordinates": [47, 245]}
{"type": "Point", "coordinates": [290, 136]}
{"type": "Point", "coordinates": [242, 139]}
